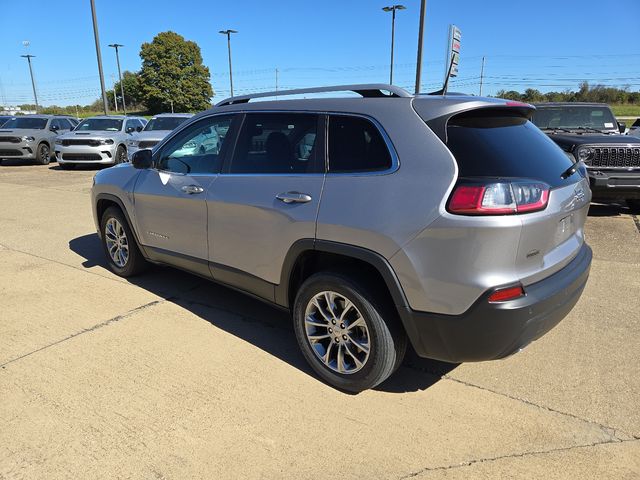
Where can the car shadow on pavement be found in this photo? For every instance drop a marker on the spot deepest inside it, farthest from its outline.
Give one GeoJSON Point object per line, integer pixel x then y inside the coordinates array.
{"type": "Point", "coordinates": [608, 209]}
{"type": "Point", "coordinates": [264, 326]}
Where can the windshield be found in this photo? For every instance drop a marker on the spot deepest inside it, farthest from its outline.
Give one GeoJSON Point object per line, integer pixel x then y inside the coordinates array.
{"type": "Point", "coordinates": [104, 124]}
{"type": "Point", "coordinates": [26, 123]}
{"type": "Point", "coordinates": [164, 123]}
{"type": "Point", "coordinates": [574, 117]}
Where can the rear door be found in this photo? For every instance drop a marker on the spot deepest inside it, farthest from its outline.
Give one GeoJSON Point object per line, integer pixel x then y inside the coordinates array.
{"type": "Point", "coordinates": [170, 200]}
{"type": "Point", "coordinates": [266, 198]}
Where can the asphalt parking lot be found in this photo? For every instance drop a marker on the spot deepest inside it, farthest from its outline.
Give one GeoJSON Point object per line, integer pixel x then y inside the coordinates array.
{"type": "Point", "coordinates": [168, 376]}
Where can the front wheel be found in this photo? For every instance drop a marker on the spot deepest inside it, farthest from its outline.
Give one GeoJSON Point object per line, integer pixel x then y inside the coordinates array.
{"type": "Point", "coordinates": [121, 155]}
{"type": "Point", "coordinates": [43, 154]}
{"type": "Point", "coordinates": [119, 244]}
{"type": "Point", "coordinates": [350, 340]}
{"type": "Point", "coordinates": [634, 205]}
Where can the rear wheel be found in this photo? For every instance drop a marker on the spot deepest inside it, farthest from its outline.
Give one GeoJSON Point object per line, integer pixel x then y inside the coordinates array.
{"type": "Point", "coordinates": [43, 154]}
{"type": "Point", "coordinates": [119, 244]}
{"type": "Point", "coordinates": [350, 340]}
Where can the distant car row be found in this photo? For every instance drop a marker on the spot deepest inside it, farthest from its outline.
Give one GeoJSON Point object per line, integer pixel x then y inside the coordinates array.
{"type": "Point", "coordinates": [101, 140]}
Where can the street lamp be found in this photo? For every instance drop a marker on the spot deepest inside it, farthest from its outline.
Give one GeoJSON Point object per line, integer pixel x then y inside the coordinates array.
{"type": "Point", "coordinates": [228, 34]}
{"type": "Point", "coordinates": [33, 83]}
{"type": "Point", "coordinates": [116, 46]}
{"type": "Point", "coordinates": [99, 55]}
{"type": "Point", "coordinates": [393, 9]}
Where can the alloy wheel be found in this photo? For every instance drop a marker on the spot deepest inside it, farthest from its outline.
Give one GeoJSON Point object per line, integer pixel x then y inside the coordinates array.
{"type": "Point", "coordinates": [337, 332]}
{"type": "Point", "coordinates": [117, 242]}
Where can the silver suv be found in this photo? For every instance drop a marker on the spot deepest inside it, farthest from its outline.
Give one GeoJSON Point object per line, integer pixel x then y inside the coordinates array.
{"type": "Point", "coordinates": [451, 222]}
{"type": "Point", "coordinates": [159, 126]}
{"type": "Point", "coordinates": [31, 137]}
{"type": "Point", "coordinates": [98, 140]}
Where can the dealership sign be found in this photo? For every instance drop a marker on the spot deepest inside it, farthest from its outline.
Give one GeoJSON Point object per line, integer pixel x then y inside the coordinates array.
{"type": "Point", "coordinates": [453, 51]}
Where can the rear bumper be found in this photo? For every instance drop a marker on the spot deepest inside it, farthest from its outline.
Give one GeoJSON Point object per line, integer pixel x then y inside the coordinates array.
{"type": "Point", "coordinates": [607, 184]}
{"type": "Point", "coordinates": [488, 331]}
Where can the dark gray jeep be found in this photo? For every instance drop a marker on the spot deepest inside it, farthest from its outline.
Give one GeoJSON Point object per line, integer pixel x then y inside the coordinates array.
{"type": "Point", "coordinates": [589, 132]}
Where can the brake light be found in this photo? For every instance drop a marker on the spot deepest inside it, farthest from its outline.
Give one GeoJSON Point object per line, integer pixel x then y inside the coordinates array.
{"type": "Point", "coordinates": [506, 294]}
{"type": "Point", "coordinates": [498, 198]}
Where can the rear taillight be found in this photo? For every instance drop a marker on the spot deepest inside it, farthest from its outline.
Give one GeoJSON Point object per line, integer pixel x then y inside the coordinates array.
{"type": "Point", "coordinates": [476, 197]}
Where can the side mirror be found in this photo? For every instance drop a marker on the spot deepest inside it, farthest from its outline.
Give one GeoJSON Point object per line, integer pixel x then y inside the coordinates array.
{"type": "Point", "coordinates": [142, 159]}
{"type": "Point", "coordinates": [622, 127]}
{"type": "Point", "coordinates": [130, 129]}
{"type": "Point", "coordinates": [54, 128]}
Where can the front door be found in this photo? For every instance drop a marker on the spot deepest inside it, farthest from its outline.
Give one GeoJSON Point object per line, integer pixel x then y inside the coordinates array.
{"type": "Point", "coordinates": [170, 200]}
{"type": "Point", "coordinates": [266, 198]}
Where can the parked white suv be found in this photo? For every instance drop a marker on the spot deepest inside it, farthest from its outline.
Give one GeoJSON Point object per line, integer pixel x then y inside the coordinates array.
{"type": "Point", "coordinates": [98, 140]}
{"type": "Point", "coordinates": [158, 127]}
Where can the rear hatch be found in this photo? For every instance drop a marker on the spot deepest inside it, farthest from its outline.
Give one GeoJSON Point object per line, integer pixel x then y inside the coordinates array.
{"type": "Point", "coordinates": [498, 147]}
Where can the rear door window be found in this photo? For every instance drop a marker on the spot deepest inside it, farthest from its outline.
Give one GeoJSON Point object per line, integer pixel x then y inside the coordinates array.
{"type": "Point", "coordinates": [356, 145]}
{"type": "Point", "coordinates": [506, 147]}
{"type": "Point", "coordinates": [277, 143]}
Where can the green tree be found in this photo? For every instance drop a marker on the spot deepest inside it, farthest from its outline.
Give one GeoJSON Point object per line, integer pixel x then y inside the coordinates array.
{"type": "Point", "coordinates": [133, 94]}
{"type": "Point", "coordinates": [172, 71]}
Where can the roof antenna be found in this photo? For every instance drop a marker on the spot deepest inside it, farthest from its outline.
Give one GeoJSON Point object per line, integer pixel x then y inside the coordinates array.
{"type": "Point", "coordinates": [443, 90]}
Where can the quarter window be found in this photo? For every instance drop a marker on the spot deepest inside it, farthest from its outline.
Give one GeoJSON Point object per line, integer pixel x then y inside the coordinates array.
{"type": "Point", "coordinates": [197, 149]}
{"type": "Point", "coordinates": [277, 143]}
{"type": "Point", "coordinates": [356, 145]}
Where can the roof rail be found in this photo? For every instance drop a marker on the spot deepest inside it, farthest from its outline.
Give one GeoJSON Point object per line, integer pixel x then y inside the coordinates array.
{"type": "Point", "coordinates": [365, 90]}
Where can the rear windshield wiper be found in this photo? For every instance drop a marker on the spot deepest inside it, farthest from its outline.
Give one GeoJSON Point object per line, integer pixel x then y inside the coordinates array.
{"type": "Point", "coordinates": [570, 171]}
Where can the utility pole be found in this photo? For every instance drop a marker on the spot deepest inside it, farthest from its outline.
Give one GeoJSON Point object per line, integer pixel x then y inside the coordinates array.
{"type": "Point", "coordinates": [99, 55]}
{"type": "Point", "coordinates": [116, 46]}
{"type": "Point", "coordinates": [481, 75]}
{"type": "Point", "coordinates": [115, 97]}
{"type": "Point", "coordinates": [33, 83]}
{"type": "Point", "coordinates": [228, 34]}
{"type": "Point", "coordinates": [276, 79]}
{"type": "Point", "coordinates": [393, 9]}
{"type": "Point", "coordinates": [423, 11]}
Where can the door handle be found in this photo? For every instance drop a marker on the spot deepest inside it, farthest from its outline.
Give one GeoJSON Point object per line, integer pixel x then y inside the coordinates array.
{"type": "Point", "coordinates": [293, 197]}
{"type": "Point", "coordinates": [191, 189]}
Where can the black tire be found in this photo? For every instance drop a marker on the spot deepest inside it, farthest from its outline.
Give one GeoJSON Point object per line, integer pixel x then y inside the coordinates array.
{"type": "Point", "coordinates": [121, 155]}
{"type": "Point", "coordinates": [634, 205]}
{"type": "Point", "coordinates": [386, 337]}
{"type": "Point", "coordinates": [67, 166]}
{"type": "Point", "coordinates": [43, 154]}
{"type": "Point", "coordinates": [135, 262]}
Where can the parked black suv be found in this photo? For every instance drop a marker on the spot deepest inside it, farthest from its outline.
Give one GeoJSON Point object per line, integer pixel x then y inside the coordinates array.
{"type": "Point", "coordinates": [589, 132]}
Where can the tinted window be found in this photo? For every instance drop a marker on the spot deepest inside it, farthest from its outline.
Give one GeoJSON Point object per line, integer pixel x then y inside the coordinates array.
{"type": "Point", "coordinates": [131, 124]}
{"type": "Point", "coordinates": [164, 123]}
{"type": "Point", "coordinates": [570, 117]}
{"type": "Point", "coordinates": [198, 148]}
{"type": "Point", "coordinates": [26, 122]}
{"type": "Point", "coordinates": [495, 146]}
{"type": "Point", "coordinates": [70, 123]}
{"type": "Point", "coordinates": [277, 143]}
{"type": "Point", "coordinates": [101, 124]}
{"type": "Point", "coordinates": [356, 145]}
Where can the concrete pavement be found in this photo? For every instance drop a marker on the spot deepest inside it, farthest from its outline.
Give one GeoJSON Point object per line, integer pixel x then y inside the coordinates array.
{"type": "Point", "coordinates": [171, 377]}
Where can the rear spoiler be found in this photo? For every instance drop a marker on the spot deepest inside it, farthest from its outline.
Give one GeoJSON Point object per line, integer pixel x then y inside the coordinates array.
{"type": "Point", "coordinates": [510, 109]}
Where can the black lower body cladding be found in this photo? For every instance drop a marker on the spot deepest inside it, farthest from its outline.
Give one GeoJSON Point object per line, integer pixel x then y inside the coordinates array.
{"type": "Point", "coordinates": [489, 331]}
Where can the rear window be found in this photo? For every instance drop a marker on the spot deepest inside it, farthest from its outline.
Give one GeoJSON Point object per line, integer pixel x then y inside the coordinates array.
{"type": "Point", "coordinates": [506, 146]}
{"type": "Point", "coordinates": [356, 145]}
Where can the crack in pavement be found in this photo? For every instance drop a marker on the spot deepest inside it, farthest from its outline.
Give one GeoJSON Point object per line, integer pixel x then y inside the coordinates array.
{"type": "Point", "coordinates": [512, 455]}
{"type": "Point", "coordinates": [611, 431]}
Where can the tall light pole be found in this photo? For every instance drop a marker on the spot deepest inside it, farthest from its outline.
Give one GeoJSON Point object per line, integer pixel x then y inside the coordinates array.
{"type": "Point", "coordinates": [99, 55]}
{"type": "Point", "coordinates": [116, 46]}
{"type": "Point", "coordinates": [423, 10]}
{"type": "Point", "coordinates": [33, 83]}
{"type": "Point", "coordinates": [228, 34]}
{"type": "Point", "coordinates": [393, 9]}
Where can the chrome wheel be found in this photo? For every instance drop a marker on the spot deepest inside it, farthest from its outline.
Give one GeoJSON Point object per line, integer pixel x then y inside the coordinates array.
{"type": "Point", "coordinates": [44, 154]}
{"type": "Point", "coordinates": [117, 243]}
{"type": "Point", "coordinates": [337, 332]}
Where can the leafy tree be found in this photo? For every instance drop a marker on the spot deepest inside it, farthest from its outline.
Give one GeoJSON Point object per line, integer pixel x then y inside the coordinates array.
{"type": "Point", "coordinates": [172, 71]}
{"type": "Point", "coordinates": [133, 94]}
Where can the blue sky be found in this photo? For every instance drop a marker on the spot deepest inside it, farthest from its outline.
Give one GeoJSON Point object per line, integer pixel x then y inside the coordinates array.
{"type": "Point", "coordinates": [544, 44]}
